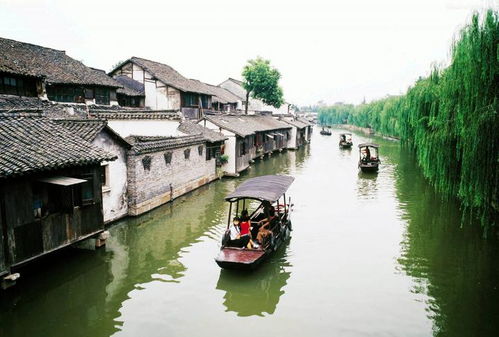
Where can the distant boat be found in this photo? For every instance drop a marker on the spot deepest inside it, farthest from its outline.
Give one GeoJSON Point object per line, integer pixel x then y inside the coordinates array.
{"type": "Point", "coordinates": [325, 132]}
{"type": "Point", "coordinates": [346, 140]}
{"type": "Point", "coordinates": [269, 192]}
{"type": "Point", "coordinates": [369, 157]}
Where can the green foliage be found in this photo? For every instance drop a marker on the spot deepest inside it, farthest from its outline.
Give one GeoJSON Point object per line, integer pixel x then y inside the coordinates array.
{"type": "Point", "coordinates": [262, 82]}
{"type": "Point", "coordinates": [450, 119]}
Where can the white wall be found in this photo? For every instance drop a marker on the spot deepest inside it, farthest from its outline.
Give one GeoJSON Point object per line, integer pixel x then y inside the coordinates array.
{"type": "Point", "coordinates": [141, 127]}
{"type": "Point", "coordinates": [114, 194]}
{"type": "Point", "coordinates": [230, 146]}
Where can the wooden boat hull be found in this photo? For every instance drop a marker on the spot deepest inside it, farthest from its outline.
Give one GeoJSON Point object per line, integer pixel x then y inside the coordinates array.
{"type": "Point", "coordinates": [369, 168]}
{"type": "Point", "coordinates": [249, 259]}
{"type": "Point", "coordinates": [325, 133]}
{"type": "Point", "coordinates": [346, 145]}
{"type": "Point", "coordinates": [240, 258]}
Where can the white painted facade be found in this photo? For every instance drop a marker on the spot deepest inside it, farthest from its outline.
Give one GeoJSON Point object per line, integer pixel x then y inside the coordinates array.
{"type": "Point", "coordinates": [159, 96]}
{"type": "Point", "coordinates": [144, 127]}
{"type": "Point", "coordinates": [230, 149]}
{"type": "Point", "coordinates": [114, 192]}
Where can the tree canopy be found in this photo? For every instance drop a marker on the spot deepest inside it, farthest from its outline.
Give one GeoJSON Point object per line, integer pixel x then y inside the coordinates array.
{"type": "Point", "coordinates": [261, 81]}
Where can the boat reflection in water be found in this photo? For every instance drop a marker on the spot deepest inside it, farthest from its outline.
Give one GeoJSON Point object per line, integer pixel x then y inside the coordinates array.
{"type": "Point", "coordinates": [258, 292]}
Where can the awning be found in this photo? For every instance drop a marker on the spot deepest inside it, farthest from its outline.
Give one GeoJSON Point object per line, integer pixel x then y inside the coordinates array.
{"type": "Point", "coordinates": [269, 188]}
{"type": "Point", "coordinates": [62, 181]}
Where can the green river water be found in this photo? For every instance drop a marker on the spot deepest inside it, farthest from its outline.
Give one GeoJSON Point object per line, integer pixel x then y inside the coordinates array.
{"type": "Point", "coordinates": [370, 255]}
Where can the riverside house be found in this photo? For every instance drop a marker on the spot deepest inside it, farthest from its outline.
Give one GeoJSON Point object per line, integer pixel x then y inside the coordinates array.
{"type": "Point", "coordinates": [140, 122]}
{"type": "Point", "coordinates": [163, 168]}
{"type": "Point", "coordinates": [298, 133]}
{"type": "Point", "coordinates": [215, 141]}
{"type": "Point", "coordinates": [256, 106]}
{"type": "Point", "coordinates": [165, 88]}
{"type": "Point", "coordinates": [50, 188]}
{"type": "Point", "coordinates": [34, 71]}
{"type": "Point", "coordinates": [248, 137]}
{"type": "Point", "coordinates": [114, 173]}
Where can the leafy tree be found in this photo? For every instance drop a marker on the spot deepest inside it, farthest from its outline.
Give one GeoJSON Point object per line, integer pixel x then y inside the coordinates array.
{"type": "Point", "coordinates": [262, 82]}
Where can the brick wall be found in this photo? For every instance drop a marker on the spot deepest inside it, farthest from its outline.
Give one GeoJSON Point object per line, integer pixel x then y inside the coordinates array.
{"type": "Point", "coordinates": [162, 182]}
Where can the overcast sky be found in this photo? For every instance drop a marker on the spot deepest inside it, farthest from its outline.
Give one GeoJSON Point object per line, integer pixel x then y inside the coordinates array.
{"type": "Point", "coordinates": [331, 50]}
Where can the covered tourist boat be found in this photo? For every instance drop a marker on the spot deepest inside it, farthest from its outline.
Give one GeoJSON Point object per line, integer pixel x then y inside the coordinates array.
{"type": "Point", "coordinates": [259, 222]}
{"type": "Point", "coordinates": [325, 132]}
{"type": "Point", "coordinates": [346, 140]}
{"type": "Point", "coordinates": [368, 157]}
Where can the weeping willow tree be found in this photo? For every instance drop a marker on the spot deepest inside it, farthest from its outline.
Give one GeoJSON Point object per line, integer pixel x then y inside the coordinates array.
{"type": "Point", "coordinates": [451, 120]}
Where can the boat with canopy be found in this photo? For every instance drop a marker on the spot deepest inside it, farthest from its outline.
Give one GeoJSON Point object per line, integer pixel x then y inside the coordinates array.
{"type": "Point", "coordinates": [369, 157]}
{"type": "Point", "coordinates": [346, 140]}
{"type": "Point", "coordinates": [259, 221]}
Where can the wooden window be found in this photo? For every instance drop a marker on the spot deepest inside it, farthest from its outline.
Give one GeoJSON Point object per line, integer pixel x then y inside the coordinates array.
{"type": "Point", "coordinates": [146, 162]}
{"type": "Point", "coordinates": [17, 85]}
{"type": "Point", "coordinates": [205, 101]}
{"type": "Point", "coordinates": [190, 100]}
{"type": "Point", "coordinates": [89, 93]}
{"type": "Point", "coordinates": [187, 153]}
{"type": "Point", "coordinates": [102, 96]}
{"type": "Point", "coordinates": [168, 157]}
{"type": "Point", "coordinates": [200, 150]}
{"type": "Point", "coordinates": [64, 93]}
{"type": "Point", "coordinates": [87, 189]}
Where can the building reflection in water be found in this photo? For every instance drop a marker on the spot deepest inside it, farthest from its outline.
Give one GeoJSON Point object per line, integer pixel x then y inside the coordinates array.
{"type": "Point", "coordinates": [257, 292]}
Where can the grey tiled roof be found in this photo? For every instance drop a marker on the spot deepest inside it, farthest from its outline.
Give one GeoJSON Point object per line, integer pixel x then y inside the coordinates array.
{"type": "Point", "coordinates": [84, 128]}
{"type": "Point", "coordinates": [168, 75]}
{"type": "Point", "coordinates": [131, 87]}
{"type": "Point", "coordinates": [297, 123]}
{"type": "Point", "coordinates": [32, 143]}
{"type": "Point", "coordinates": [13, 103]}
{"type": "Point", "coordinates": [51, 64]}
{"type": "Point", "coordinates": [196, 129]}
{"type": "Point", "coordinates": [88, 129]}
{"type": "Point", "coordinates": [148, 144]}
{"type": "Point", "coordinates": [136, 114]}
{"type": "Point", "coordinates": [245, 125]}
{"type": "Point", "coordinates": [305, 121]}
{"type": "Point", "coordinates": [219, 94]}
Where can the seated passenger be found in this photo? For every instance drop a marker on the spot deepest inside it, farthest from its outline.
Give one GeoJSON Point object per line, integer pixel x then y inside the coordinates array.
{"type": "Point", "coordinates": [264, 230]}
{"type": "Point", "coordinates": [236, 239]}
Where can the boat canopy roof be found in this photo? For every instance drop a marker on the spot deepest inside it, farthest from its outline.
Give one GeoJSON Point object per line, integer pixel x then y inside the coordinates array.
{"type": "Point", "coordinates": [368, 144]}
{"type": "Point", "coordinates": [269, 188]}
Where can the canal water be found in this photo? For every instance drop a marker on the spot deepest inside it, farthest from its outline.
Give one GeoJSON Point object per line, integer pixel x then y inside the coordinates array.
{"type": "Point", "coordinates": [370, 255]}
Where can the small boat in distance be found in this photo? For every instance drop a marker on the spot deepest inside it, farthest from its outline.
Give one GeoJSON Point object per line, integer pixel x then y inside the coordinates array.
{"type": "Point", "coordinates": [261, 201]}
{"type": "Point", "coordinates": [325, 132]}
{"type": "Point", "coordinates": [369, 157]}
{"type": "Point", "coordinates": [346, 140]}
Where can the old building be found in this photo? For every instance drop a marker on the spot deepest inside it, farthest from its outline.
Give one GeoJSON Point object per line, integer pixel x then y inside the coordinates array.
{"type": "Point", "coordinates": [163, 168]}
{"type": "Point", "coordinates": [298, 135]}
{"type": "Point", "coordinates": [50, 188]}
{"type": "Point", "coordinates": [255, 106]}
{"type": "Point", "coordinates": [140, 122]}
{"type": "Point", "coordinates": [132, 94]}
{"type": "Point", "coordinates": [34, 71]}
{"type": "Point", "coordinates": [222, 99]}
{"type": "Point", "coordinates": [215, 141]}
{"type": "Point", "coordinates": [114, 173]}
{"type": "Point", "coordinates": [248, 137]}
{"type": "Point", "coordinates": [165, 88]}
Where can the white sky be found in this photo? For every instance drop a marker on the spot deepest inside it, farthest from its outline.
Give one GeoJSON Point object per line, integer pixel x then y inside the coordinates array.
{"type": "Point", "coordinates": [336, 50]}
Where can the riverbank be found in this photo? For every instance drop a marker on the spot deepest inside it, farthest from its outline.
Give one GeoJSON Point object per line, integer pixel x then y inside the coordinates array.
{"type": "Point", "coordinates": [450, 120]}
